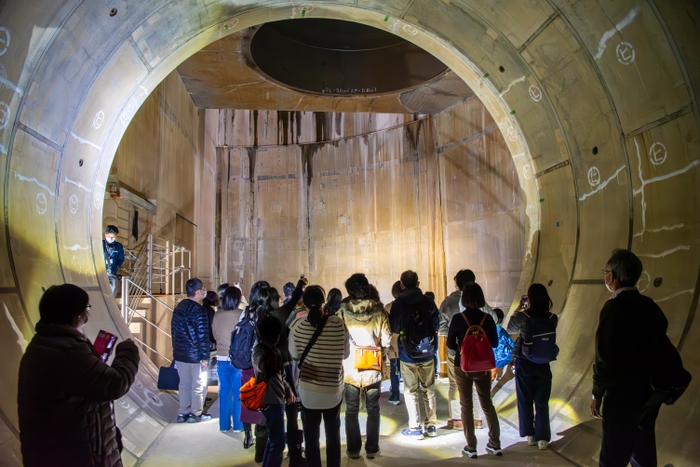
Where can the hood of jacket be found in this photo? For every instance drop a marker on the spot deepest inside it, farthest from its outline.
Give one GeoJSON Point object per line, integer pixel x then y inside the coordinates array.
{"type": "Point", "coordinates": [412, 296]}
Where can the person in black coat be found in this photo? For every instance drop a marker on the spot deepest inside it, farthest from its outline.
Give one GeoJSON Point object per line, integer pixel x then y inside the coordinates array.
{"type": "Point", "coordinates": [190, 331]}
{"type": "Point", "coordinates": [472, 301]}
{"type": "Point", "coordinates": [65, 391]}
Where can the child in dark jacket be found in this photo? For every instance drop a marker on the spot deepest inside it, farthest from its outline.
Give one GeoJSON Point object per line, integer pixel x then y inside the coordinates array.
{"type": "Point", "coordinates": [267, 361]}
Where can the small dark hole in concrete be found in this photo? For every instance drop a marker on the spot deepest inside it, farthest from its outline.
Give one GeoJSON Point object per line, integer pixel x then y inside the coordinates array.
{"type": "Point", "coordinates": [501, 69]}
{"type": "Point", "coordinates": [113, 12]}
{"type": "Point", "coordinates": [595, 150]}
{"type": "Point", "coordinates": [549, 284]}
{"type": "Point", "coordinates": [80, 162]}
{"type": "Point", "coordinates": [658, 281]}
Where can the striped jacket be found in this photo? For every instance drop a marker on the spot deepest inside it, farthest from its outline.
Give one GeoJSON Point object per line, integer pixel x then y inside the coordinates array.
{"type": "Point", "coordinates": [322, 370]}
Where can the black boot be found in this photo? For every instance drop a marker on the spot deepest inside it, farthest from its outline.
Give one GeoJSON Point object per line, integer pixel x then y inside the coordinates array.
{"type": "Point", "coordinates": [248, 441]}
{"type": "Point", "coordinates": [295, 447]}
{"type": "Point", "coordinates": [260, 442]}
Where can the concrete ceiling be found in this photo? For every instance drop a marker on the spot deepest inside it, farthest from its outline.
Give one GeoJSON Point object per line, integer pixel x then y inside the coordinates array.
{"type": "Point", "coordinates": [222, 76]}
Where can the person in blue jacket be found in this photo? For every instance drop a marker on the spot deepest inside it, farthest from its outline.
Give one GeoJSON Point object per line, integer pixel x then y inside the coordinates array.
{"type": "Point", "coordinates": [114, 256]}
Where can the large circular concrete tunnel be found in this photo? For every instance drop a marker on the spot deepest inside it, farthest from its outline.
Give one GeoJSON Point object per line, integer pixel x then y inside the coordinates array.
{"type": "Point", "coordinates": [597, 101]}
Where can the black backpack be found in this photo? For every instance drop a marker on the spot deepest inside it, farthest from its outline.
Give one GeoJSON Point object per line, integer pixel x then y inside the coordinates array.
{"type": "Point", "coordinates": [243, 339]}
{"type": "Point", "coordinates": [418, 333]}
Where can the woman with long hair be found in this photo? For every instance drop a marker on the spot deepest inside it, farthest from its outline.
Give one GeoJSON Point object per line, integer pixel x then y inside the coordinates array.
{"type": "Point", "coordinates": [321, 378]}
{"type": "Point", "coordinates": [333, 301]}
{"type": "Point", "coordinates": [224, 323]}
{"type": "Point", "coordinates": [533, 381]}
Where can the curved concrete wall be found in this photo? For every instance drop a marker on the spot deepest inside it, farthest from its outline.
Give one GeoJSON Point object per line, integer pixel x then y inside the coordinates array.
{"type": "Point", "coordinates": [596, 100]}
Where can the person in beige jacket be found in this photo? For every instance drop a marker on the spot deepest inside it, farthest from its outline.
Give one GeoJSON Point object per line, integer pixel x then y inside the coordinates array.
{"type": "Point", "coordinates": [368, 325]}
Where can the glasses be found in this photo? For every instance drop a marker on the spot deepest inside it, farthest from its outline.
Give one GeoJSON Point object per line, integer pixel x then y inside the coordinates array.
{"type": "Point", "coordinates": [605, 271]}
{"type": "Point", "coordinates": [88, 306]}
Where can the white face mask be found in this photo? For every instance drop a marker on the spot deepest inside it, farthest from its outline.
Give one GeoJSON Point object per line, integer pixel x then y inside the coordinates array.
{"type": "Point", "coordinates": [110, 239]}
{"type": "Point", "coordinates": [607, 286]}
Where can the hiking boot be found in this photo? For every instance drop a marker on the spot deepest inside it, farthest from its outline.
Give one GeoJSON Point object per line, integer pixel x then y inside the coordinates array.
{"type": "Point", "coordinates": [471, 453]}
{"type": "Point", "coordinates": [431, 432]}
{"type": "Point", "coordinates": [182, 417]}
{"type": "Point", "coordinates": [457, 424]}
{"type": "Point", "coordinates": [353, 455]}
{"type": "Point", "coordinates": [531, 441]}
{"type": "Point", "coordinates": [413, 432]}
{"type": "Point", "coordinates": [205, 417]}
{"type": "Point", "coordinates": [372, 455]}
{"type": "Point", "coordinates": [496, 451]}
{"type": "Point", "coordinates": [394, 400]}
{"type": "Point", "coordinates": [542, 445]}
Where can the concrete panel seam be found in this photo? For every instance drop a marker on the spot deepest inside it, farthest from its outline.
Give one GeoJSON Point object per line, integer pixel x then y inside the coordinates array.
{"type": "Point", "coordinates": [35, 134]}
{"type": "Point", "coordinates": [9, 424]}
{"type": "Point", "coordinates": [588, 282]}
{"type": "Point", "coordinates": [8, 290]}
{"type": "Point", "coordinates": [489, 129]}
{"type": "Point", "coordinates": [553, 168]}
{"type": "Point", "coordinates": [539, 30]}
{"type": "Point", "coordinates": [138, 51]}
{"type": "Point", "coordinates": [691, 314]}
{"type": "Point", "coordinates": [665, 119]}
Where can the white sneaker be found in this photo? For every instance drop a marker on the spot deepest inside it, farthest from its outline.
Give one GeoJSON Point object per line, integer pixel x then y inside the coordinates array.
{"type": "Point", "coordinates": [531, 441]}
{"type": "Point", "coordinates": [542, 444]}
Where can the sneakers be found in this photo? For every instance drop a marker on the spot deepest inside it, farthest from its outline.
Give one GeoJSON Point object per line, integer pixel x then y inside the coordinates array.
{"type": "Point", "coordinates": [182, 418]}
{"type": "Point", "coordinates": [394, 400]}
{"type": "Point", "coordinates": [354, 455]}
{"type": "Point", "coordinates": [431, 432]}
{"type": "Point", "coordinates": [205, 417]}
{"type": "Point", "coordinates": [542, 445]}
{"type": "Point", "coordinates": [469, 452]}
{"type": "Point", "coordinates": [479, 424]}
{"type": "Point", "coordinates": [413, 432]}
{"type": "Point", "coordinates": [531, 441]}
{"type": "Point", "coordinates": [372, 455]}
{"type": "Point", "coordinates": [493, 450]}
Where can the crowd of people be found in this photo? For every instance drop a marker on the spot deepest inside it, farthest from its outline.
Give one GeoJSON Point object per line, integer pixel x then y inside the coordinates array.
{"type": "Point", "coordinates": [308, 352]}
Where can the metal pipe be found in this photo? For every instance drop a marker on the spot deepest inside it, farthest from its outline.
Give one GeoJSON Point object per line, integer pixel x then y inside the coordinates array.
{"type": "Point", "coordinates": [152, 349]}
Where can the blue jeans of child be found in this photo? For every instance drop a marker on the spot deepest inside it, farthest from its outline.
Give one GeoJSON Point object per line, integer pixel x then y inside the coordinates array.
{"type": "Point", "coordinates": [274, 418]}
{"type": "Point", "coordinates": [229, 396]}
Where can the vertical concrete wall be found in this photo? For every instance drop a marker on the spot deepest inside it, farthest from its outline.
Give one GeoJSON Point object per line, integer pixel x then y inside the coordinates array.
{"type": "Point", "coordinates": [434, 195]}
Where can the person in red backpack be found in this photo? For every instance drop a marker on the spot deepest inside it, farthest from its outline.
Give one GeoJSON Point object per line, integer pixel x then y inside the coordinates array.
{"type": "Point", "coordinates": [533, 381]}
{"type": "Point", "coordinates": [473, 300]}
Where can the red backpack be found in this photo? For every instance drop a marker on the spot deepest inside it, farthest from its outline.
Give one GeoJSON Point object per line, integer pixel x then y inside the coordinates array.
{"type": "Point", "coordinates": [476, 353]}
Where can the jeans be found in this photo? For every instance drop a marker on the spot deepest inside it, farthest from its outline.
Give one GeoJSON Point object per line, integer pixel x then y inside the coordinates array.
{"type": "Point", "coordinates": [352, 423]}
{"type": "Point", "coordinates": [419, 377]}
{"type": "Point", "coordinates": [274, 419]}
{"type": "Point", "coordinates": [229, 396]}
{"type": "Point", "coordinates": [113, 283]}
{"type": "Point", "coordinates": [312, 434]}
{"type": "Point", "coordinates": [533, 385]}
{"type": "Point", "coordinates": [627, 441]}
{"type": "Point", "coordinates": [193, 387]}
{"type": "Point", "coordinates": [395, 373]}
{"type": "Point", "coordinates": [482, 382]}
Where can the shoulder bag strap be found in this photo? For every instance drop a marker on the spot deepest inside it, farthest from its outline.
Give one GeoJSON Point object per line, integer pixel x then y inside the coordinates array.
{"type": "Point", "coordinates": [313, 340]}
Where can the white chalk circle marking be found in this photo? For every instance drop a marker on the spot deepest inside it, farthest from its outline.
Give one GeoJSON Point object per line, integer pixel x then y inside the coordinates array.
{"type": "Point", "coordinates": [73, 204]}
{"type": "Point", "coordinates": [644, 282]}
{"type": "Point", "coordinates": [410, 30]}
{"type": "Point", "coordinates": [625, 53]}
{"type": "Point", "coordinates": [512, 134]}
{"type": "Point", "coordinates": [41, 204]}
{"type": "Point", "coordinates": [98, 199]}
{"type": "Point", "coordinates": [535, 93]}
{"type": "Point", "coordinates": [594, 176]}
{"type": "Point", "coordinates": [527, 172]}
{"type": "Point", "coordinates": [98, 120]}
{"type": "Point", "coordinates": [4, 40]}
{"type": "Point", "coordinates": [4, 115]}
{"type": "Point", "coordinates": [658, 153]}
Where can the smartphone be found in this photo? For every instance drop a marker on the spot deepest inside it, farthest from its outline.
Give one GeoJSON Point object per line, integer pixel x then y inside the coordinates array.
{"type": "Point", "coordinates": [302, 276]}
{"type": "Point", "coordinates": [524, 302]}
{"type": "Point", "coordinates": [104, 344]}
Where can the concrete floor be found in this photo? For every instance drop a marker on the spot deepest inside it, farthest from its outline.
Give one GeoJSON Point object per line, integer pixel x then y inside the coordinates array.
{"type": "Point", "coordinates": [203, 445]}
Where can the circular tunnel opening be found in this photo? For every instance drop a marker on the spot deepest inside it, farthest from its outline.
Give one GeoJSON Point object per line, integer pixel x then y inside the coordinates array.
{"type": "Point", "coordinates": [325, 56]}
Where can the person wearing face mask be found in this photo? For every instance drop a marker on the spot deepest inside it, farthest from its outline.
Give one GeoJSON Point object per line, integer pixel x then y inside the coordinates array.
{"type": "Point", "coordinates": [65, 391]}
{"type": "Point", "coordinates": [114, 256]}
{"type": "Point", "coordinates": [630, 334]}
{"type": "Point", "coordinates": [190, 332]}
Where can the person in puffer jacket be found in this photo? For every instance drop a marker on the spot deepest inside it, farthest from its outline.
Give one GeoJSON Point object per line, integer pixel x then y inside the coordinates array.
{"type": "Point", "coordinates": [368, 325]}
{"type": "Point", "coordinates": [190, 330]}
{"type": "Point", "coordinates": [65, 391]}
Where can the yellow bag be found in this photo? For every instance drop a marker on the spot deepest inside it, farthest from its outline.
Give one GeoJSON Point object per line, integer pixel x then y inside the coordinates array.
{"type": "Point", "coordinates": [368, 358]}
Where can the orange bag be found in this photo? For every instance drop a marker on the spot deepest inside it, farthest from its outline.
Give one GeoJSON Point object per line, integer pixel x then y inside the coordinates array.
{"type": "Point", "coordinates": [252, 394]}
{"type": "Point", "coordinates": [368, 358]}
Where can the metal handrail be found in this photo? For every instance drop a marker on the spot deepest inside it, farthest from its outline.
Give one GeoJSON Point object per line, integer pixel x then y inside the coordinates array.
{"type": "Point", "coordinates": [152, 349]}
